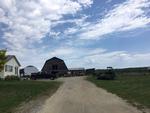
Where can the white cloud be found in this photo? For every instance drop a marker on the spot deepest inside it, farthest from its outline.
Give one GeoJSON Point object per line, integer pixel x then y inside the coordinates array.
{"type": "Point", "coordinates": [29, 21]}
{"type": "Point", "coordinates": [81, 57]}
{"type": "Point", "coordinates": [2, 13]}
{"type": "Point", "coordinates": [7, 4]}
{"type": "Point", "coordinates": [54, 34]}
{"type": "Point", "coordinates": [101, 58]}
{"type": "Point", "coordinates": [38, 56]}
{"type": "Point", "coordinates": [62, 51]}
{"type": "Point", "coordinates": [70, 31]}
{"type": "Point", "coordinates": [126, 16]}
{"type": "Point", "coordinates": [108, 1]}
{"type": "Point", "coordinates": [79, 22]}
{"type": "Point", "coordinates": [85, 2]}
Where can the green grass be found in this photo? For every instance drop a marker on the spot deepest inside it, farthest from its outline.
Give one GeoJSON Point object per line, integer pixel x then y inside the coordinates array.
{"type": "Point", "coordinates": [13, 93]}
{"type": "Point", "coordinates": [135, 89]}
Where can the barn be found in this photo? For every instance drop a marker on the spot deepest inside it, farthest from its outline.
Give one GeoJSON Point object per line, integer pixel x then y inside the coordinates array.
{"type": "Point", "coordinates": [55, 66]}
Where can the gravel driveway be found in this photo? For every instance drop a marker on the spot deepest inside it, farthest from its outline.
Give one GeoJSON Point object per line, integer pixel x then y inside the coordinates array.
{"type": "Point", "coordinates": [77, 95]}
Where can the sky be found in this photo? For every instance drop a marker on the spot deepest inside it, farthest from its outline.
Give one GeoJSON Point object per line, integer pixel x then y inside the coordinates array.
{"type": "Point", "coordinates": [84, 33]}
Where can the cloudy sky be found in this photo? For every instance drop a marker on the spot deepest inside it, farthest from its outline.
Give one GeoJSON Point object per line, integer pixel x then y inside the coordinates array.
{"type": "Point", "coordinates": [85, 33]}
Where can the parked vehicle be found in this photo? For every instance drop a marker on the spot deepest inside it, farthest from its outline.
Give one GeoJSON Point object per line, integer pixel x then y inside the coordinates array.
{"type": "Point", "coordinates": [42, 75]}
{"type": "Point", "coordinates": [109, 74]}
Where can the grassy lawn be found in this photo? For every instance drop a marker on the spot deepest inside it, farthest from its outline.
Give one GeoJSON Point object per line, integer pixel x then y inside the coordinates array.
{"type": "Point", "coordinates": [13, 93]}
{"type": "Point", "coordinates": [135, 89]}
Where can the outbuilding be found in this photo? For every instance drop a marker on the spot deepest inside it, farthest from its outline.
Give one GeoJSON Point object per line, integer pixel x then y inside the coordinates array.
{"type": "Point", "coordinates": [55, 66]}
{"type": "Point", "coordinates": [77, 71]}
{"type": "Point", "coordinates": [28, 70]}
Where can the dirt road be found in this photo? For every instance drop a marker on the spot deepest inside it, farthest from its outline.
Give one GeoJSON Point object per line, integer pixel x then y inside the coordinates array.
{"type": "Point", "coordinates": [77, 95]}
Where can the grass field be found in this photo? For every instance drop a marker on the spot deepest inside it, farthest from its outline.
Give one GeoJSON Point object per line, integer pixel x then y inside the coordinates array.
{"type": "Point", "coordinates": [13, 93]}
{"type": "Point", "coordinates": [135, 89]}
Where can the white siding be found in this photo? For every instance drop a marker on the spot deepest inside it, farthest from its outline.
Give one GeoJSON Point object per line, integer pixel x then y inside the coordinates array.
{"type": "Point", "coordinates": [13, 63]}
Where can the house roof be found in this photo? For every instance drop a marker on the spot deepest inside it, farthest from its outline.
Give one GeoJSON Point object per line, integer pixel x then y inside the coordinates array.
{"type": "Point", "coordinates": [9, 57]}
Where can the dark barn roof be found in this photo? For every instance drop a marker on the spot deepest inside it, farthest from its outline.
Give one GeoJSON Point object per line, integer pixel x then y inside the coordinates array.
{"type": "Point", "coordinates": [55, 64]}
{"type": "Point", "coordinates": [56, 59]}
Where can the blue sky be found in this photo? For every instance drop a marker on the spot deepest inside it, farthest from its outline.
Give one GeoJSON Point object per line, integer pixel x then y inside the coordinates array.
{"type": "Point", "coordinates": [85, 33]}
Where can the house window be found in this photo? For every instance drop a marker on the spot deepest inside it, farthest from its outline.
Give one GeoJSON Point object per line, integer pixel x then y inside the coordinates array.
{"type": "Point", "coordinates": [16, 70]}
{"type": "Point", "coordinates": [8, 68]}
{"type": "Point", "coordinates": [54, 67]}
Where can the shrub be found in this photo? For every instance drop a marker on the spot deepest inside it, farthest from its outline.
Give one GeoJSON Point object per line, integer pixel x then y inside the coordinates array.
{"type": "Point", "coordinates": [12, 77]}
{"type": "Point", "coordinates": [1, 79]}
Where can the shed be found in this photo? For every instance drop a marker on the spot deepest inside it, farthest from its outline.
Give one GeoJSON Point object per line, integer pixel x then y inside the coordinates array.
{"type": "Point", "coordinates": [28, 70]}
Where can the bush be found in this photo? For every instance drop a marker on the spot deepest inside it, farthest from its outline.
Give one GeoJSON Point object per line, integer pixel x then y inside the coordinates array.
{"type": "Point", "coordinates": [12, 77]}
{"type": "Point", "coordinates": [1, 79]}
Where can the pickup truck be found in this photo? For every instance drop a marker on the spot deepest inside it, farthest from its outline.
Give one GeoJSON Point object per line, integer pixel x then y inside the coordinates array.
{"type": "Point", "coordinates": [42, 75]}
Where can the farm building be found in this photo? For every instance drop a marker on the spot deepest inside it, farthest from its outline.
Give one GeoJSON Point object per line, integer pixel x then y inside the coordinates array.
{"type": "Point", "coordinates": [11, 67]}
{"type": "Point", "coordinates": [77, 71]}
{"type": "Point", "coordinates": [55, 66]}
{"type": "Point", "coordinates": [28, 70]}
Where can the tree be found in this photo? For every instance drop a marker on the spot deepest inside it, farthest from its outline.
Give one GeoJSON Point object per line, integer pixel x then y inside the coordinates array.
{"type": "Point", "coordinates": [2, 59]}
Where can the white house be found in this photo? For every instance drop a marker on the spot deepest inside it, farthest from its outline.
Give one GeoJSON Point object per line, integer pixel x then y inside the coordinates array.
{"type": "Point", "coordinates": [11, 67]}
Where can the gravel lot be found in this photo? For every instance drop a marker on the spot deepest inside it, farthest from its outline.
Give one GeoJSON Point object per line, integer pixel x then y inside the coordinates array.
{"type": "Point", "coordinates": [77, 95]}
